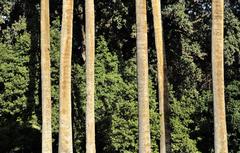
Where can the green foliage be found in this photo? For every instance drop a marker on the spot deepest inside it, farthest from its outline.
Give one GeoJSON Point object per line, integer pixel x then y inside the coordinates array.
{"type": "Point", "coordinates": [187, 35]}
{"type": "Point", "coordinates": [233, 111]}
{"type": "Point", "coordinates": [115, 104]}
{"type": "Point", "coordinates": [55, 60]}
{"type": "Point", "coordinates": [181, 121]}
{"type": "Point", "coordinates": [232, 32]}
{"type": "Point", "coordinates": [16, 109]}
{"type": "Point", "coordinates": [5, 10]}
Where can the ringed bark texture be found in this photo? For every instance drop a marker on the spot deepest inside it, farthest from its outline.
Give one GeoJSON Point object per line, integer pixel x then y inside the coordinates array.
{"type": "Point", "coordinates": [142, 76]}
{"type": "Point", "coordinates": [220, 130]}
{"type": "Point", "coordinates": [45, 78]}
{"type": "Point", "coordinates": [90, 57]}
{"type": "Point", "coordinates": [65, 125]}
{"type": "Point", "coordinates": [162, 78]}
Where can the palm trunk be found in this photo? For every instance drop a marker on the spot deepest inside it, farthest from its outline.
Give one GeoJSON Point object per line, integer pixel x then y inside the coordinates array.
{"type": "Point", "coordinates": [65, 124]}
{"type": "Point", "coordinates": [220, 130]}
{"type": "Point", "coordinates": [142, 70]}
{"type": "Point", "coordinates": [162, 78]}
{"type": "Point", "coordinates": [90, 55]}
{"type": "Point", "coordinates": [45, 78]}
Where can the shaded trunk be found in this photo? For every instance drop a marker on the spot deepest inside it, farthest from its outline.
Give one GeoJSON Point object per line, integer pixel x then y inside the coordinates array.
{"type": "Point", "coordinates": [220, 130]}
{"type": "Point", "coordinates": [65, 120]}
{"type": "Point", "coordinates": [83, 43]}
{"type": "Point", "coordinates": [46, 78]}
{"type": "Point", "coordinates": [162, 78]}
{"type": "Point", "coordinates": [142, 77]}
{"type": "Point", "coordinates": [90, 56]}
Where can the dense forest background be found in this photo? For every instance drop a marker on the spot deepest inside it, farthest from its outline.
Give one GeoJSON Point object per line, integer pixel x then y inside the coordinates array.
{"type": "Point", "coordinates": [187, 35]}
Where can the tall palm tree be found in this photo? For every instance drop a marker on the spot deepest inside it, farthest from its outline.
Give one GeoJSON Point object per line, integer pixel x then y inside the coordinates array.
{"type": "Point", "coordinates": [90, 56]}
{"type": "Point", "coordinates": [220, 130]}
{"type": "Point", "coordinates": [142, 70]}
{"type": "Point", "coordinates": [45, 78]}
{"type": "Point", "coordinates": [161, 71]}
{"type": "Point", "coordinates": [65, 120]}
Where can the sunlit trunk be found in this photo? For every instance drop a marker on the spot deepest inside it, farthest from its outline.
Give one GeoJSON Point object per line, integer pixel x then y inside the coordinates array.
{"type": "Point", "coordinates": [220, 130]}
{"type": "Point", "coordinates": [90, 55]}
{"type": "Point", "coordinates": [45, 78]}
{"type": "Point", "coordinates": [162, 78]}
{"type": "Point", "coordinates": [65, 119]}
{"type": "Point", "coordinates": [142, 77]}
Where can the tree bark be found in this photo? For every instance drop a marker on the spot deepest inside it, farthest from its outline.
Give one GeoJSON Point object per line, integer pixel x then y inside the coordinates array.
{"type": "Point", "coordinates": [65, 125]}
{"type": "Point", "coordinates": [46, 78]}
{"type": "Point", "coordinates": [142, 77]}
{"type": "Point", "coordinates": [162, 78]}
{"type": "Point", "coordinates": [220, 130]}
{"type": "Point", "coordinates": [90, 57]}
